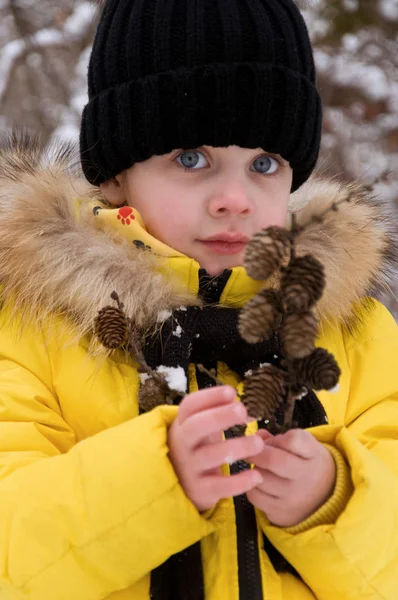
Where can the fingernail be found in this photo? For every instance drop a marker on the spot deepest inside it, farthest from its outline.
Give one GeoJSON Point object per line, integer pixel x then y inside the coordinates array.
{"type": "Point", "coordinates": [258, 444]}
{"type": "Point", "coordinates": [257, 478]}
{"type": "Point", "coordinates": [239, 410]}
{"type": "Point", "coordinates": [264, 434]}
{"type": "Point", "coordinates": [229, 393]}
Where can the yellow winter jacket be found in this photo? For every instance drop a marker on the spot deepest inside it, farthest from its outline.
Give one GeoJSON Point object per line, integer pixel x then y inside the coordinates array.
{"type": "Point", "coordinates": [89, 501]}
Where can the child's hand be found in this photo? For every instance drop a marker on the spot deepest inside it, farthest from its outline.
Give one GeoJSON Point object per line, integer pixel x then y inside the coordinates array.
{"type": "Point", "coordinates": [298, 473]}
{"type": "Point", "coordinates": [197, 448]}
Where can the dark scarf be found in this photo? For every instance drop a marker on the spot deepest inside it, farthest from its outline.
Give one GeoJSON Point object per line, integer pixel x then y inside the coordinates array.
{"type": "Point", "coordinates": [208, 336]}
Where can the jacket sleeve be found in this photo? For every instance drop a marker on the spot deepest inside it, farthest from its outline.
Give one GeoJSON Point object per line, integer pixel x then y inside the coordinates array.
{"type": "Point", "coordinates": [80, 520]}
{"type": "Point", "coordinates": [349, 549]}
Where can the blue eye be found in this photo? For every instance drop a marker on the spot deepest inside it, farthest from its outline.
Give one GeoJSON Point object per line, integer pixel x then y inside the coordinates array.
{"type": "Point", "coordinates": [192, 159]}
{"type": "Point", "coordinates": [266, 165]}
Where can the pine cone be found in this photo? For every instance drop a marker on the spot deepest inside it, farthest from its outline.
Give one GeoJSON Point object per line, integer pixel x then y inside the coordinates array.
{"type": "Point", "coordinates": [302, 283]}
{"type": "Point", "coordinates": [298, 334]}
{"type": "Point", "coordinates": [318, 371]}
{"type": "Point", "coordinates": [238, 430]}
{"type": "Point", "coordinates": [111, 327]}
{"type": "Point", "coordinates": [266, 252]}
{"type": "Point", "coordinates": [259, 317]}
{"type": "Point", "coordinates": [150, 395]}
{"type": "Point", "coordinates": [264, 392]}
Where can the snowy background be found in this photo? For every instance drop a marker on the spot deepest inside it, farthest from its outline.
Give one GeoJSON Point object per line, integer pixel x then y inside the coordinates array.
{"type": "Point", "coordinates": [45, 45]}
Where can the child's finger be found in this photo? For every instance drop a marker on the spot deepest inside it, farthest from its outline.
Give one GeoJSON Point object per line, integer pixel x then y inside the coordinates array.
{"type": "Point", "coordinates": [279, 462]}
{"type": "Point", "coordinates": [296, 441]}
{"type": "Point", "coordinates": [227, 452]}
{"type": "Point", "coordinates": [205, 399]}
{"type": "Point", "coordinates": [275, 486]}
{"type": "Point", "coordinates": [263, 501]}
{"type": "Point", "coordinates": [221, 486]}
{"type": "Point", "coordinates": [200, 426]}
{"type": "Point", "coordinates": [264, 434]}
{"type": "Point", "coordinates": [214, 438]}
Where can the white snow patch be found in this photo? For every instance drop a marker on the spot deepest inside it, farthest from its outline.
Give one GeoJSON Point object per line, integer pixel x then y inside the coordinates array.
{"type": "Point", "coordinates": [9, 53]}
{"type": "Point", "coordinates": [175, 377]}
{"type": "Point", "coordinates": [197, 335]}
{"type": "Point", "coordinates": [74, 28]}
{"type": "Point", "coordinates": [67, 130]}
{"type": "Point", "coordinates": [302, 394]}
{"type": "Point", "coordinates": [335, 389]}
{"type": "Point", "coordinates": [177, 331]}
{"type": "Point", "coordinates": [163, 315]}
{"type": "Point", "coordinates": [389, 9]}
{"type": "Point", "coordinates": [80, 19]}
{"type": "Point", "coordinates": [322, 60]}
{"type": "Point", "coordinates": [264, 365]}
{"type": "Point", "coordinates": [47, 37]}
{"type": "Point", "coordinates": [182, 308]}
{"type": "Point", "coordinates": [371, 79]}
{"type": "Point", "coordinates": [351, 5]}
{"type": "Point", "coordinates": [79, 97]}
{"type": "Point", "coordinates": [350, 42]}
{"type": "Point", "coordinates": [144, 377]}
{"type": "Point", "coordinates": [249, 373]}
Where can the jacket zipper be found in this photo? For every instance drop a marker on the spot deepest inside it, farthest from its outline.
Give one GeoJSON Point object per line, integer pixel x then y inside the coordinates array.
{"type": "Point", "coordinates": [249, 572]}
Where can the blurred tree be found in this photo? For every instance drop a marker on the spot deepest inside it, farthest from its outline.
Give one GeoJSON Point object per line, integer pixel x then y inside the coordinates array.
{"type": "Point", "coordinates": [43, 51]}
{"type": "Point", "coordinates": [356, 53]}
{"type": "Point", "coordinates": [357, 59]}
{"type": "Point", "coordinates": [45, 45]}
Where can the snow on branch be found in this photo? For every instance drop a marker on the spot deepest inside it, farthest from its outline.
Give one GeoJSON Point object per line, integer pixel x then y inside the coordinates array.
{"type": "Point", "coordinates": [74, 29]}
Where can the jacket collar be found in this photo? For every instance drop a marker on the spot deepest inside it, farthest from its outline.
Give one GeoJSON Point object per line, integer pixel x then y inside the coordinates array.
{"type": "Point", "coordinates": [54, 260]}
{"type": "Point", "coordinates": [128, 225]}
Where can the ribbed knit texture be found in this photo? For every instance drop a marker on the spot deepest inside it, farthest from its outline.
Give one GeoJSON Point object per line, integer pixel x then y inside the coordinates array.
{"type": "Point", "coordinates": [208, 336]}
{"type": "Point", "coordinates": [196, 335]}
{"type": "Point", "coordinates": [329, 512]}
{"type": "Point", "coordinates": [168, 74]}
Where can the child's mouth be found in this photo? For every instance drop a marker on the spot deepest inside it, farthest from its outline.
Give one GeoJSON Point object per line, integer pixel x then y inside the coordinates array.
{"type": "Point", "coordinates": [224, 247]}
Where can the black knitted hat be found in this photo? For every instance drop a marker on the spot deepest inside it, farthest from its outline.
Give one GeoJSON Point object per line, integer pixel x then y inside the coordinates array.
{"type": "Point", "coordinates": [170, 74]}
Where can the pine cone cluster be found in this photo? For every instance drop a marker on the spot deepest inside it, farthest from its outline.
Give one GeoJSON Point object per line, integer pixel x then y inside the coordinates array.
{"type": "Point", "coordinates": [302, 284]}
{"type": "Point", "coordinates": [318, 371]}
{"type": "Point", "coordinates": [111, 327]}
{"type": "Point", "coordinates": [151, 394]}
{"type": "Point", "coordinates": [257, 321]}
{"type": "Point", "coordinates": [238, 430]}
{"type": "Point", "coordinates": [289, 311]}
{"type": "Point", "coordinates": [115, 330]}
{"type": "Point", "coordinates": [264, 392]}
{"type": "Point", "coordinates": [298, 333]}
{"type": "Point", "coordinates": [266, 252]}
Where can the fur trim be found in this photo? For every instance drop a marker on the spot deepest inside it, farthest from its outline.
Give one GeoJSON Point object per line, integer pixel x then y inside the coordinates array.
{"type": "Point", "coordinates": [52, 264]}
{"type": "Point", "coordinates": [355, 243]}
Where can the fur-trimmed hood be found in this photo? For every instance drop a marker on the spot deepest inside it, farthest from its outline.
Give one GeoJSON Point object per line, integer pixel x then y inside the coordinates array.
{"type": "Point", "coordinates": [53, 262]}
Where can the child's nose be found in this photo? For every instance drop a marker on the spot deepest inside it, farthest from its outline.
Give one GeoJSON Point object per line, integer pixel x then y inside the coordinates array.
{"type": "Point", "coordinates": [233, 199]}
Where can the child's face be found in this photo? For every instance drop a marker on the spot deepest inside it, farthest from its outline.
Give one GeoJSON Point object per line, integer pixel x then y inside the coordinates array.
{"type": "Point", "coordinates": [208, 202]}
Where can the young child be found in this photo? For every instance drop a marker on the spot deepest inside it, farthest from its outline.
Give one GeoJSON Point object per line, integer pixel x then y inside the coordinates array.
{"type": "Point", "coordinates": [203, 117]}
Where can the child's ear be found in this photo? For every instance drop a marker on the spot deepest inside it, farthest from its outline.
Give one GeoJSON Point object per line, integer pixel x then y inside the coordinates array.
{"type": "Point", "coordinates": [113, 191]}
